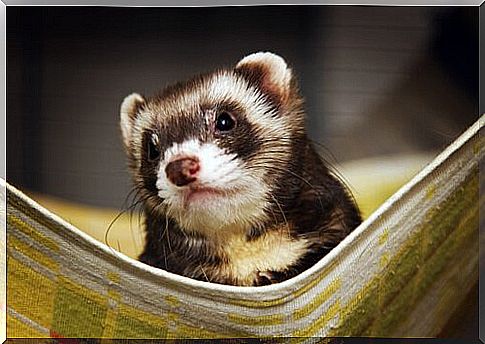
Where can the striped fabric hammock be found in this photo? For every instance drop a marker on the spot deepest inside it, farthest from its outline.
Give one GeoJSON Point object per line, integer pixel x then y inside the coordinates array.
{"type": "Point", "coordinates": [401, 273]}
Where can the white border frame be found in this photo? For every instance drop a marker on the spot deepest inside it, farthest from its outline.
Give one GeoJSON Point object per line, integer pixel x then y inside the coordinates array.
{"type": "Point", "coordinates": [144, 3]}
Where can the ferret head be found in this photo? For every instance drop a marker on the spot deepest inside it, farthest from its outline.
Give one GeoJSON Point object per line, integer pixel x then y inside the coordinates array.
{"type": "Point", "coordinates": [209, 152]}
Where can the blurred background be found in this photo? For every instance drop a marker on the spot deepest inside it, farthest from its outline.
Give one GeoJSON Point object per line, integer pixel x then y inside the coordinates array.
{"type": "Point", "coordinates": [386, 89]}
{"type": "Point", "coordinates": [378, 81]}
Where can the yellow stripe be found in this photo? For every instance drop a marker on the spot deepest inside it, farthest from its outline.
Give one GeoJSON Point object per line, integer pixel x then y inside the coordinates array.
{"type": "Point", "coordinates": [173, 317]}
{"type": "Point", "coordinates": [284, 299]}
{"type": "Point", "coordinates": [429, 272]}
{"type": "Point", "coordinates": [320, 322]}
{"type": "Point", "coordinates": [172, 328]}
{"type": "Point", "coordinates": [18, 329]}
{"type": "Point", "coordinates": [415, 280]}
{"type": "Point", "coordinates": [383, 237]}
{"type": "Point", "coordinates": [259, 304]}
{"type": "Point", "coordinates": [35, 303]}
{"type": "Point", "coordinates": [31, 252]}
{"type": "Point", "coordinates": [187, 331]}
{"type": "Point", "coordinates": [430, 191]}
{"type": "Point", "coordinates": [349, 308]}
{"type": "Point", "coordinates": [114, 277]}
{"type": "Point", "coordinates": [314, 282]}
{"type": "Point", "coordinates": [172, 301]}
{"type": "Point", "coordinates": [478, 145]}
{"type": "Point", "coordinates": [384, 260]}
{"type": "Point", "coordinates": [114, 298]}
{"type": "Point", "coordinates": [28, 230]}
{"type": "Point", "coordinates": [467, 225]}
{"type": "Point", "coordinates": [318, 300]}
{"type": "Point", "coordinates": [261, 320]}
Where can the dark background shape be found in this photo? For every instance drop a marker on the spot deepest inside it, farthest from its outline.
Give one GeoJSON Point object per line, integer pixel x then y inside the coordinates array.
{"type": "Point", "coordinates": [377, 80]}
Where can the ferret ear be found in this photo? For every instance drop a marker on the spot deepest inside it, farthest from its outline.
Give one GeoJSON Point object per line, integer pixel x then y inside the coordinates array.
{"type": "Point", "coordinates": [269, 72]}
{"type": "Point", "coordinates": [128, 112]}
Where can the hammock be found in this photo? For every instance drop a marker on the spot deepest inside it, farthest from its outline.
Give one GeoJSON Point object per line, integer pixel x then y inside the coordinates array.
{"type": "Point", "coordinates": [401, 273]}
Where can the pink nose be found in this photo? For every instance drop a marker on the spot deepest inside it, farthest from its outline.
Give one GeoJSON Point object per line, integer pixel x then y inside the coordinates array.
{"type": "Point", "coordinates": [182, 171]}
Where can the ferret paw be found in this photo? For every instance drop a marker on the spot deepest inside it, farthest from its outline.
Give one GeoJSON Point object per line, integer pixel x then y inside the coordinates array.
{"type": "Point", "coordinates": [267, 277]}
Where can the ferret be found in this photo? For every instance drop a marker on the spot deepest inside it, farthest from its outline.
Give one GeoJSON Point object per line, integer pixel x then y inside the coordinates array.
{"type": "Point", "coordinates": [233, 190]}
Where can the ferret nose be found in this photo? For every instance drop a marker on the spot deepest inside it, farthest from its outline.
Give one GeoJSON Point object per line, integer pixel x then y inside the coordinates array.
{"type": "Point", "coordinates": [182, 171]}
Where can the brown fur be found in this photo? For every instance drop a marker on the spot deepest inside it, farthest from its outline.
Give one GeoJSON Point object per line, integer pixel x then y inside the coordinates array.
{"type": "Point", "coordinates": [304, 211]}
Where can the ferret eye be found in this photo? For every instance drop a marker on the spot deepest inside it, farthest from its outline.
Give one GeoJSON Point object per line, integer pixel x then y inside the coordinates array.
{"type": "Point", "coordinates": [225, 122]}
{"type": "Point", "coordinates": [153, 147]}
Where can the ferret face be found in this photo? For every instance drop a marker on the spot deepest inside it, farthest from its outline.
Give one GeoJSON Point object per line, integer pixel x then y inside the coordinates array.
{"type": "Point", "coordinates": [208, 152]}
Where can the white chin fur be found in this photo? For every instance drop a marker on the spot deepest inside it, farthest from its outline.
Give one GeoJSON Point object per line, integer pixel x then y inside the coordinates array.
{"type": "Point", "coordinates": [241, 206]}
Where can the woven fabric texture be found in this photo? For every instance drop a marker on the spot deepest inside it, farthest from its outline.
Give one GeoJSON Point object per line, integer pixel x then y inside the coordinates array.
{"type": "Point", "coordinates": [401, 273]}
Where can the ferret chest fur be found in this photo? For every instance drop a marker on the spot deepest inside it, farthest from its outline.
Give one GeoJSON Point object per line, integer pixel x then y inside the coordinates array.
{"type": "Point", "coordinates": [232, 188]}
{"type": "Point", "coordinates": [253, 261]}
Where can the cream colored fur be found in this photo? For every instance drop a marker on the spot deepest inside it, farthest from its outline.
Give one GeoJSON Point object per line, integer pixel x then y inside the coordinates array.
{"type": "Point", "coordinates": [273, 251]}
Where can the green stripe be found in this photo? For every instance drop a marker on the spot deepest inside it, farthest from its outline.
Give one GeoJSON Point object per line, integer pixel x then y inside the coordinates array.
{"type": "Point", "coordinates": [78, 311]}
{"type": "Point", "coordinates": [386, 291]}
{"type": "Point", "coordinates": [394, 313]}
